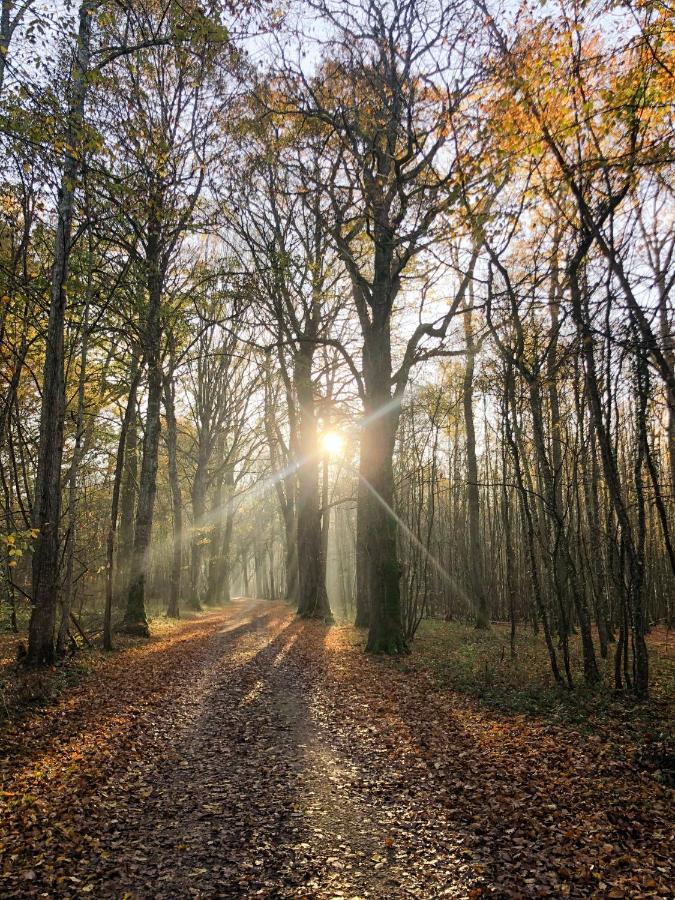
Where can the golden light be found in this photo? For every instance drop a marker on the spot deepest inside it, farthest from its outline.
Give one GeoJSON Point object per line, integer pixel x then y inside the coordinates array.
{"type": "Point", "coordinates": [332, 443]}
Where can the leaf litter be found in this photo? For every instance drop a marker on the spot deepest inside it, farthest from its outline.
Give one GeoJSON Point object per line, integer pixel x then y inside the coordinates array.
{"type": "Point", "coordinates": [251, 754]}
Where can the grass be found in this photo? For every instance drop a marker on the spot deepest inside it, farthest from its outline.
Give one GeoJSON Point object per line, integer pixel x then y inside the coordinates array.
{"type": "Point", "coordinates": [479, 664]}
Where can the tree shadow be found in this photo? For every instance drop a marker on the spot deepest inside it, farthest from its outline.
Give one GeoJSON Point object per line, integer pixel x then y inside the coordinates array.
{"type": "Point", "coordinates": [521, 808]}
{"type": "Point", "coordinates": [295, 766]}
{"type": "Point", "coordinates": [276, 790]}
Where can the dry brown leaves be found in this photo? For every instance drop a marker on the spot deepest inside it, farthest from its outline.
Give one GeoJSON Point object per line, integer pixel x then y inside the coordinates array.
{"type": "Point", "coordinates": [250, 754]}
{"type": "Point", "coordinates": [542, 809]}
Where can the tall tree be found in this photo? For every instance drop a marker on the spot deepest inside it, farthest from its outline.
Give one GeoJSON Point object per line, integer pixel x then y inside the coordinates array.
{"type": "Point", "coordinates": [385, 176]}
{"type": "Point", "coordinates": [47, 503]}
{"type": "Point", "coordinates": [163, 118]}
{"type": "Point", "coordinates": [282, 223]}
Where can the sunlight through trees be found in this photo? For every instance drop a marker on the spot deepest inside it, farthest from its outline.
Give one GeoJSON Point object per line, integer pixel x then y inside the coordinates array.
{"type": "Point", "coordinates": [364, 306]}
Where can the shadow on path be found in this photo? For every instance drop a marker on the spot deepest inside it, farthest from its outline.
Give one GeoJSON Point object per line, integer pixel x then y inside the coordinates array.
{"type": "Point", "coordinates": [260, 793]}
{"type": "Point", "coordinates": [284, 763]}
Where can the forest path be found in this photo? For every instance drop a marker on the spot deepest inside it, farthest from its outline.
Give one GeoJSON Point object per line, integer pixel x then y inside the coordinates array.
{"type": "Point", "coordinates": [258, 794]}
{"type": "Point", "coordinates": [258, 755]}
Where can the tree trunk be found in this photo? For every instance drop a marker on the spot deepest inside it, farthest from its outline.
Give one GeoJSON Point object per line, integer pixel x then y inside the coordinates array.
{"type": "Point", "coordinates": [220, 568]}
{"type": "Point", "coordinates": [291, 546]}
{"type": "Point", "coordinates": [510, 422]}
{"type": "Point", "coordinates": [259, 567]}
{"type": "Point", "coordinates": [508, 551]}
{"type": "Point", "coordinates": [244, 574]}
{"type": "Point", "coordinates": [325, 514]}
{"type": "Point", "coordinates": [668, 345]}
{"type": "Point", "coordinates": [7, 559]}
{"type": "Point", "coordinates": [634, 593]}
{"type": "Point", "coordinates": [135, 619]}
{"type": "Point", "coordinates": [128, 489]}
{"type": "Point", "coordinates": [595, 561]}
{"type": "Point", "coordinates": [364, 502]}
{"type": "Point", "coordinates": [286, 487]}
{"type": "Point", "coordinates": [129, 414]}
{"type": "Point", "coordinates": [219, 508]}
{"type": "Point", "coordinates": [74, 468]}
{"type": "Point", "coordinates": [173, 608]}
{"type": "Point", "coordinates": [473, 495]}
{"type": "Point", "coordinates": [553, 469]}
{"type": "Point", "coordinates": [225, 552]}
{"type": "Point", "coordinates": [385, 634]}
{"type": "Point", "coordinates": [563, 564]}
{"type": "Point", "coordinates": [5, 37]}
{"type": "Point", "coordinates": [8, 27]}
{"type": "Point", "coordinates": [198, 533]}
{"type": "Point", "coordinates": [47, 503]}
{"type": "Point", "coordinates": [312, 595]}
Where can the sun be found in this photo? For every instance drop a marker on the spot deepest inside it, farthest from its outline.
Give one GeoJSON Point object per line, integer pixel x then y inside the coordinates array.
{"type": "Point", "coordinates": [332, 443]}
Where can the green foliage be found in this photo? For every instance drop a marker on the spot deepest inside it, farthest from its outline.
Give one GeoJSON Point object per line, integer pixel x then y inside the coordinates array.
{"type": "Point", "coordinates": [15, 544]}
{"type": "Point", "coordinates": [479, 663]}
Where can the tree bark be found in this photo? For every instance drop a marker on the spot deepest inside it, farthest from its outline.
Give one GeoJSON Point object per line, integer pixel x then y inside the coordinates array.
{"type": "Point", "coordinates": [312, 594]}
{"type": "Point", "coordinates": [385, 633]}
{"type": "Point", "coordinates": [129, 415]}
{"type": "Point", "coordinates": [564, 570]}
{"type": "Point", "coordinates": [128, 489]}
{"type": "Point", "coordinates": [286, 487]}
{"type": "Point", "coordinates": [173, 608]}
{"type": "Point", "coordinates": [5, 37]}
{"type": "Point", "coordinates": [47, 503]}
{"type": "Point", "coordinates": [363, 504]}
{"type": "Point", "coordinates": [198, 529]}
{"type": "Point", "coordinates": [291, 545]}
{"type": "Point", "coordinates": [473, 494]}
{"type": "Point", "coordinates": [8, 26]}
{"type": "Point", "coordinates": [668, 344]}
{"type": "Point", "coordinates": [634, 595]}
{"type": "Point", "coordinates": [509, 414]}
{"type": "Point", "coordinates": [244, 574]}
{"type": "Point", "coordinates": [135, 618]}
{"type": "Point", "coordinates": [261, 588]}
{"type": "Point", "coordinates": [220, 568]}
{"type": "Point", "coordinates": [74, 468]}
{"type": "Point", "coordinates": [325, 514]}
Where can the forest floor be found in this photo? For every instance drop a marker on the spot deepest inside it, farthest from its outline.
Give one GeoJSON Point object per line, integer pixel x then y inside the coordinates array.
{"type": "Point", "coordinates": [246, 753]}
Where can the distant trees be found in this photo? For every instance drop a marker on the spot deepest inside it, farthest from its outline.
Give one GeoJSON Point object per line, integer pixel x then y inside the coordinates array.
{"type": "Point", "coordinates": [591, 147]}
{"type": "Point", "coordinates": [128, 37]}
{"type": "Point", "coordinates": [161, 117]}
{"type": "Point", "coordinates": [298, 289]}
{"type": "Point", "coordinates": [221, 381]}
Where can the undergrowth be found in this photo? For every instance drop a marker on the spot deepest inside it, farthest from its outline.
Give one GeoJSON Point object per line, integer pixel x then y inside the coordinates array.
{"type": "Point", "coordinates": [23, 690]}
{"type": "Point", "coordinates": [479, 664]}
